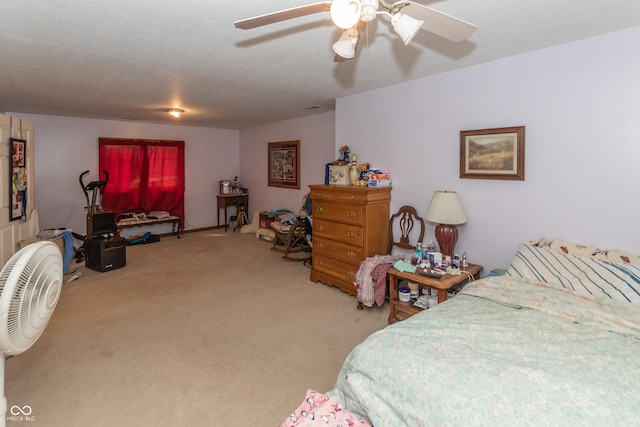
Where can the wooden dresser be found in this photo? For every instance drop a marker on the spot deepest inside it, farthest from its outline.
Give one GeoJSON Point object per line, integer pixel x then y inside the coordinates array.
{"type": "Point", "coordinates": [349, 224]}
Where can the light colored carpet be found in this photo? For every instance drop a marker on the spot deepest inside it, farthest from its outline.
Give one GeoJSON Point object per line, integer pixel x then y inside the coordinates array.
{"type": "Point", "coordinates": [213, 329]}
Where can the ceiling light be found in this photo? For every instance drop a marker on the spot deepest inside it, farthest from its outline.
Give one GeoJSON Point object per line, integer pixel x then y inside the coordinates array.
{"type": "Point", "coordinates": [346, 46]}
{"type": "Point", "coordinates": [345, 13]}
{"type": "Point", "coordinates": [405, 26]}
{"type": "Point", "coordinates": [369, 10]}
{"type": "Point", "coordinates": [175, 112]}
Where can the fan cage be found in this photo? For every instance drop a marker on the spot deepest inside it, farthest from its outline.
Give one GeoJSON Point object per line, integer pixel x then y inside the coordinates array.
{"type": "Point", "coordinates": [30, 286]}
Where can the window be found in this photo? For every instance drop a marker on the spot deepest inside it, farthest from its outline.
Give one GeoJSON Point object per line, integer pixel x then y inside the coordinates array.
{"type": "Point", "coordinates": [144, 175]}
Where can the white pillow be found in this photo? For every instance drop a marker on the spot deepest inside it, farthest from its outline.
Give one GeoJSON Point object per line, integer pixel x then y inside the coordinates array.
{"type": "Point", "coordinates": [591, 276]}
{"type": "Point", "coordinates": [587, 251]}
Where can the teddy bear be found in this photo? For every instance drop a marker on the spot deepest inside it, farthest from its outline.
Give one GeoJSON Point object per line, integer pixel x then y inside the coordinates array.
{"type": "Point", "coordinates": [363, 168]}
{"type": "Point", "coordinates": [345, 155]}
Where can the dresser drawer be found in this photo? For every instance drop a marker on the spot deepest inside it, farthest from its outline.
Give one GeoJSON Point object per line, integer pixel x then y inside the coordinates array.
{"type": "Point", "coordinates": [347, 214]}
{"type": "Point", "coordinates": [340, 251]}
{"type": "Point", "coordinates": [349, 234]}
{"type": "Point", "coordinates": [341, 271]}
{"type": "Point", "coordinates": [350, 193]}
{"type": "Point", "coordinates": [403, 310]}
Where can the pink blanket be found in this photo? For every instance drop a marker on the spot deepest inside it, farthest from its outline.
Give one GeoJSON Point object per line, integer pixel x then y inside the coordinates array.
{"type": "Point", "coordinates": [320, 410]}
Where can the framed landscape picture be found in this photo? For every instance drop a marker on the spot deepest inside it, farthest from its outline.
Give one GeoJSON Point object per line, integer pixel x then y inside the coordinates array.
{"type": "Point", "coordinates": [492, 153]}
{"type": "Point", "coordinates": [284, 164]}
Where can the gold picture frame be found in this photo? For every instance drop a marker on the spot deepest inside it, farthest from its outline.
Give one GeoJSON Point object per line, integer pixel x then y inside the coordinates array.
{"type": "Point", "coordinates": [225, 187]}
{"type": "Point", "coordinates": [492, 153]}
{"type": "Point", "coordinates": [283, 168]}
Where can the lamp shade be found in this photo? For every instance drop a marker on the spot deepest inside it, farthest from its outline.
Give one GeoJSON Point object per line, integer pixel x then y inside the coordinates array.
{"type": "Point", "coordinates": [445, 208]}
{"type": "Point", "coordinates": [346, 46]}
{"type": "Point", "coordinates": [406, 26]}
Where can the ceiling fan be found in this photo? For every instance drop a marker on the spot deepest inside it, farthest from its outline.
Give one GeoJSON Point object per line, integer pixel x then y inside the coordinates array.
{"type": "Point", "coordinates": [407, 17]}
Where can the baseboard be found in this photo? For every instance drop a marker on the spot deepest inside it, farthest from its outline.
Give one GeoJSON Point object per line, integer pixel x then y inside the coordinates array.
{"type": "Point", "coordinates": [193, 230]}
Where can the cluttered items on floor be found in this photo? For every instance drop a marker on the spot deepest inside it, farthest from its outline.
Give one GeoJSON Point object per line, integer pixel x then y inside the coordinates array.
{"type": "Point", "coordinates": [142, 238]}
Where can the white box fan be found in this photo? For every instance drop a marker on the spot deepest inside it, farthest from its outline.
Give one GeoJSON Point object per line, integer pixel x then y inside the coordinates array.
{"type": "Point", "coordinates": [30, 286]}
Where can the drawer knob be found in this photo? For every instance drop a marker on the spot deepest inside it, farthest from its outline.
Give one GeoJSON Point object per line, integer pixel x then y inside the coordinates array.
{"type": "Point", "coordinates": [351, 214]}
{"type": "Point", "coordinates": [352, 196]}
{"type": "Point", "coordinates": [351, 254]}
{"type": "Point", "coordinates": [320, 193]}
{"type": "Point", "coordinates": [320, 263]}
{"type": "Point", "coordinates": [351, 274]}
{"type": "Point", "coordinates": [320, 210]}
{"type": "Point", "coordinates": [351, 234]}
{"type": "Point", "coordinates": [320, 228]}
{"type": "Point", "coordinates": [320, 245]}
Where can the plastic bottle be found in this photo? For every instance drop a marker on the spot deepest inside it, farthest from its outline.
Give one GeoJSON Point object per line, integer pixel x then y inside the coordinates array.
{"type": "Point", "coordinates": [419, 253]}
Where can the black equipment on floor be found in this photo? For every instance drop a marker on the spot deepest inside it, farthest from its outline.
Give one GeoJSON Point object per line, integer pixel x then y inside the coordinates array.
{"type": "Point", "coordinates": [106, 254]}
{"type": "Point", "coordinates": [104, 249]}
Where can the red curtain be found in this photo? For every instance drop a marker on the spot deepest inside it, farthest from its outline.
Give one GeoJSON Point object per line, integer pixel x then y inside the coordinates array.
{"type": "Point", "coordinates": [144, 175]}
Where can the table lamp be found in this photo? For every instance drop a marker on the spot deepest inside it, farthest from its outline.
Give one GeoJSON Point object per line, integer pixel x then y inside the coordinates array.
{"type": "Point", "coordinates": [445, 210]}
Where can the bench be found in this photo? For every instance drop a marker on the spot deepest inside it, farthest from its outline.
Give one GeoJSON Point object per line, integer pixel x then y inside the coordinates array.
{"type": "Point", "coordinates": [136, 222]}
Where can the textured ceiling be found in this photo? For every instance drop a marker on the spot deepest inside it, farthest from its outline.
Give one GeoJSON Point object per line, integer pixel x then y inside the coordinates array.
{"type": "Point", "coordinates": [125, 59]}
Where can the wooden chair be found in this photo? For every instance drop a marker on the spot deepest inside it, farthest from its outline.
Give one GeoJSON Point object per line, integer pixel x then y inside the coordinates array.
{"type": "Point", "coordinates": [404, 221]}
{"type": "Point", "coordinates": [406, 218]}
{"type": "Point", "coordinates": [293, 238]}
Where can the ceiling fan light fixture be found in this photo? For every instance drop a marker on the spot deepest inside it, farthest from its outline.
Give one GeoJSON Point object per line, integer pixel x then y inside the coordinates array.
{"type": "Point", "coordinates": [369, 10]}
{"type": "Point", "coordinates": [406, 26]}
{"type": "Point", "coordinates": [175, 112]}
{"type": "Point", "coordinates": [345, 13]}
{"type": "Point", "coordinates": [346, 45]}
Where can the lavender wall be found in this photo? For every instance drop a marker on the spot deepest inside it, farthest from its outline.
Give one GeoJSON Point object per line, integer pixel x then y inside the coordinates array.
{"type": "Point", "coordinates": [580, 105]}
{"type": "Point", "coordinates": [317, 142]}
{"type": "Point", "coordinates": [65, 147]}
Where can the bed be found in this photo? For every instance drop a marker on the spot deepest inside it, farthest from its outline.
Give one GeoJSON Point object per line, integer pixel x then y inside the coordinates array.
{"type": "Point", "coordinates": [555, 341]}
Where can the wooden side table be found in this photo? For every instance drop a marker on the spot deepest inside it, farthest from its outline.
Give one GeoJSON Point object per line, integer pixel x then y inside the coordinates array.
{"type": "Point", "coordinates": [399, 310]}
{"type": "Point", "coordinates": [240, 201]}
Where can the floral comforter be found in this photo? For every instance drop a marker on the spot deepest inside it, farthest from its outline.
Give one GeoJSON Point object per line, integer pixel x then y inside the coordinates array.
{"type": "Point", "coordinates": [504, 351]}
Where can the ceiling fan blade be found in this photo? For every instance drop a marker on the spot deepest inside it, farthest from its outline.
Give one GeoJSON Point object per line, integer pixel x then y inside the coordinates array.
{"type": "Point", "coordinates": [439, 23]}
{"type": "Point", "coordinates": [283, 15]}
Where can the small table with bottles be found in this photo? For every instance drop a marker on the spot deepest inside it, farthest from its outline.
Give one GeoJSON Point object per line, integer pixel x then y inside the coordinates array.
{"type": "Point", "coordinates": [399, 310]}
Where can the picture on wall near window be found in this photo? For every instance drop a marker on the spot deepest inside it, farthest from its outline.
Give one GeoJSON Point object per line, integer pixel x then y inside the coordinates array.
{"type": "Point", "coordinates": [284, 164]}
{"type": "Point", "coordinates": [18, 182]}
{"type": "Point", "coordinates": [492, 153]}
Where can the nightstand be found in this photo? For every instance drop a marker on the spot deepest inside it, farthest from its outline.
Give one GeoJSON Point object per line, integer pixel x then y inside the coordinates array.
{"type": "Point", "coordinates": [402, 310]}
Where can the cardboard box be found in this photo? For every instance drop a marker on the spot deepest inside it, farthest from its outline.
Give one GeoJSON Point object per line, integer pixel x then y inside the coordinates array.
{"type": "Point", "coordinates": [380, 175]}
{"type": "Point", "coordinates": [339, 175]}
{"type": "Point", "coordinates": [380, 183]}
{"type": "Point", "coordinates": [58, 241]}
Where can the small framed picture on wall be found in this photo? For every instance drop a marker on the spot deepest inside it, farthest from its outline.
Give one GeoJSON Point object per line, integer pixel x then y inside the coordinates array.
{"type": "Point", "coordinates": [19, 177]}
